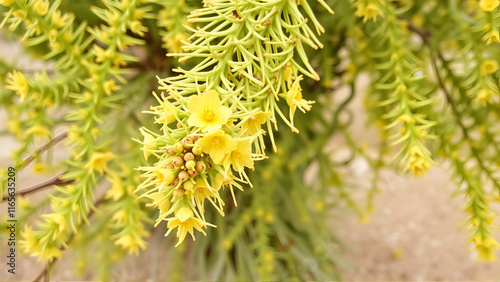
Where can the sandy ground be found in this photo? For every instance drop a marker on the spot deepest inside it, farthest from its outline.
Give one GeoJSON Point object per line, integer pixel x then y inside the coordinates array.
{"type": "Point", "coordinates": [414, 233]}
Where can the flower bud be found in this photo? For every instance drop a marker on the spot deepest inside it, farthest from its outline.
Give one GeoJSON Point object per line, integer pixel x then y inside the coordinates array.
{"type": "Point", "coordinates": [178, 161]}
{"type": "Point", "coordinates": [197, 150]}
{"type": "Point", "coordinates": [200, 166]}
{"type": "Point", "coordinates": [169, 166]}
{"type": "Point", "coordinates": [178, 148]}
{"type": "Point", "coordinates": [188, 185]}
{"type": "Point", "coordinates": [178, 193]}
{"type": "Point", "coordinates": [192, 172]}
{"type": "Point", "coordinates": [188, 157]}
{"type": "Point", "coordinates": [190, 165]}
{"type": "Point", "coordinates": [175, 182]}
{"type": "Point", "coordinates": [183, 176]}
{"type": "Point", "coordinates": [187, 142]}
{"type": "Point", "coordinates": [170, 151]}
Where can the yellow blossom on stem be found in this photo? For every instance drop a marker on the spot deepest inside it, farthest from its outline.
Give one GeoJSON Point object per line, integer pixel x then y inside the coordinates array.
{"type": "Point", "coordinates": [253, 124]}
{"type": "Point", "coordinates": [417, 162]}
{"type": "Point", "coordinates": [6, 3]}
{"type": "Point", "coordinates": [56, 219]}
{"type": "Point", "coordinates": [131, 243]}
{"type": "Point", "coordinates": [485, 247]}
{"type": "Point", "coordinates": [160, 201]}
{"type": "Point", "coordinates": [367, 12]}
{"type": "Point", "coordinates": [117, 190]}
{"type": "Point", "coordinates": [483, 96]}
{"type": "Point", "coordinates": [294, 99]}
{"type": "Point", "coordinates": [39, 168]}
{"type": "Point", "coordinates": [166, 175]}
{"type": "Point", "coordinates": [184, 219]}
{"type": "Point", "coordinates": [241, 157]}
{"type": "Point", "coordinates": [39, 131]}
{"type": "Point", "coordinates": [217, 144]}
{"type": "Point", "coordinates": [17, 82]}
{"type": "Point", "coordinates": [488, 5]}
{"type": "Point", "coordinates": [207, 113]}
{"type": "Point", "coordinates": [149, 144]}
{"type": "Point", "coordinates": [199, 193]}
{"type": "Point", "coordinates": [99, 162]}
{"type": "Point", "coordinates": [174, 43]}
{"type": "Point", "coordinates": [14, 126]}
{"type": "Point", "coordinates": [492, 36]}
{"type": "Point", "coordinates": [29, 243]}
{"type": "Point", "coordinates": [489, 66]}
{"type": "Point", "coordinates": [166, 111]}
{"type": "Point", "coordinates": [41, 7]}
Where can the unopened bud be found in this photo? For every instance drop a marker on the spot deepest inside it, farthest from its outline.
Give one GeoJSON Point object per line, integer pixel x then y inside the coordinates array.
{"type": "Point", "coordinates": [200, 166]}
{"type": "Point", "coordinates": [190, 165]}
{"type": "Point", "coordinates": [178, 148]}
{"type": "Point", "coordinates": [188, 157]}
{"type": "Point", "coordinates": [175, 182]}
{"type": "Point", "coordinates": [188, 185]}
{"type": "Point", "coordinates": [178, 193]}
{"type": "Point", "coordinates": [169, 166]}
{"type": "Point", "coordinates": [197, 150]}
{"type": "Point", "coordinates": [192, 172]}
{"type": "Point", "coordinates": [178, 161]}
{"type": "Point", "coordinates": [187, 142]}
{"type": "Point", "coordinates": [183, 176]}
{"type": "Point", "coordinates": [170, 151]}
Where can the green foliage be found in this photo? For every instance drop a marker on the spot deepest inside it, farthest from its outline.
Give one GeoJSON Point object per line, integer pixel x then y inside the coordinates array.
{"type": "Point", "coordinates": [238, 71]}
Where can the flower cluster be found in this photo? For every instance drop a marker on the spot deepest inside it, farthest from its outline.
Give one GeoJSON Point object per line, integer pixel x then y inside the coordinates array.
{"type": "Point", "coordinates": [212, 116]}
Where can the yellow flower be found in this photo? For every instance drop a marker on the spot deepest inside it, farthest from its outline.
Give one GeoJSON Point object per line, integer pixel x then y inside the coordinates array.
{"type": "Point", "coordinates": [39, 131]}
{"type": "Point", "coordinates": [294, 99]}
{"type": "Point", "coordinates": [160, 201]}
{"type": "Point", "coordinates": [166, 176]}
{"type": "Point", "coordinates": [39, 167]}
{"type": "Point", "coordinates": [51, 253]}
{"type": "Point", "coordinates": [131, 243]}
{"type": "Point", "coordinates": [6, 3]}
{"type": "Point", "coordinates": [16, 81]}
{"type": "Point", "coordinates": [418, 163]}
{"type": "Point", "coordinates": [207, 111]}
{"type": "Point", "coordinates": [29, 243]}
{"type": "Point", "coordinates": [199, 192]}
{"type": "Point", "coordinates": [488, 5]}
{"type": "Point", "coordinates": [483, 96]}
{"type": "Point", "coordinates": [166, 111]}
{"type": "Point", "coordinates": [368, 12]}
{"type": "Point", "coordinates": [217, 144]}
{"type": "Point", "coordinates": [489, 66]}
{"type": "Point", "coordinates": [221, 180]}
{"type": "Point", "coordinates": [252, 125]}
{"type": "Point", "coordinates": [58, 19]}
{"type": "Point", "coordinates": [14, 126]}
{"type": "Point", "coordinates": [117, 190]}
{"type": "Point", "coordinates": [241, 157]}
{"type": "Point", "coordinates": [99, 161]}
{"type": "Point", "coordinates": [41, 7]}
{"type": "Point", "coordinates": [58, 222]}
{"type": "Point", "coordinates": [492, 36]}
{"type": "Point", "coordinates": [185, 220]}
{"type": "Point", "coordinates": [149, 144]}
{"type": "Point", "coordinates": [485, 249]}
{"type": "Point", "coordinates": [174, 43]}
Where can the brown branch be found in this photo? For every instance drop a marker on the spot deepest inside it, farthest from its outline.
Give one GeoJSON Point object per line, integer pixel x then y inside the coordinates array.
{"type": "Point", "coordinates": [42, 149]}
{"type": "Point", "coordinates": [55, 180]}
